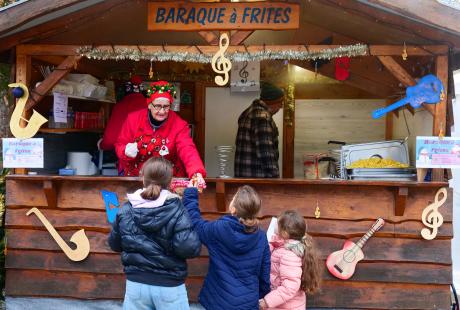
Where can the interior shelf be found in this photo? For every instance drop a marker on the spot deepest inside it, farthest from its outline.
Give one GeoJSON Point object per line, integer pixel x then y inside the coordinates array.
{"type": "Point", "coordinates": [64, 130]}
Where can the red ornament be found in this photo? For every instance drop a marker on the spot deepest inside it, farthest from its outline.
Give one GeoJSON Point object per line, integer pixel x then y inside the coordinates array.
{"type": "Point", "coordinates": [342, 66]}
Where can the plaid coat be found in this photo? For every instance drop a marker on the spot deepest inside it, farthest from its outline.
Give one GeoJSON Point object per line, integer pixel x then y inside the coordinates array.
{"type": "Point", "coordinates": [256, 143]}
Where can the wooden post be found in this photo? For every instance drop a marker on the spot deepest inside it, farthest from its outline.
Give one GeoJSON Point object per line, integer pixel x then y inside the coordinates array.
{"type": "Point", "coordinates": [440, 119]}
{"type": "Point", "coordinates": [289, 132]}
{"type": "Point", "coordinates": [23, 75]}
{"type": "Point", "coordinates": [200, 121]}
{"type": "Point", "coordinates": [389, 123]}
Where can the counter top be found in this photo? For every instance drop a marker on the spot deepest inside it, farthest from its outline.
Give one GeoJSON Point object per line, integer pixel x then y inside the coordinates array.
{"type": "Point", "coordinates": [236, 180]}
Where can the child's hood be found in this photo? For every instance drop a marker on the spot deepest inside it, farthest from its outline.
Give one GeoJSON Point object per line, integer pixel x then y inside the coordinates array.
{"type": "Point", "coordinates": [233, 236]}
{"type": "Point", "coordinates": [138, 202]}
{"type": "Point", "coordinates": [152, 215]}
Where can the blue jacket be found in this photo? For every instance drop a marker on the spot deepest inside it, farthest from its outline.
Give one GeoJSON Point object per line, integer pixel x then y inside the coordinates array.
{"type": "Point", "coordinates": [239, 262]}
{"type": "Point", "coordinates": [155, 240]}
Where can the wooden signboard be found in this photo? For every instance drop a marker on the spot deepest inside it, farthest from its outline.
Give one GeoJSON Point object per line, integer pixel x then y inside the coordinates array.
{"type": "Point", "coordinates": [186, 16]}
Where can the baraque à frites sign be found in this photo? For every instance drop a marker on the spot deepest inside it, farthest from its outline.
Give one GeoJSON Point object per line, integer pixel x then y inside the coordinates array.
{"type": "Point", "coordinates": [187, 16]}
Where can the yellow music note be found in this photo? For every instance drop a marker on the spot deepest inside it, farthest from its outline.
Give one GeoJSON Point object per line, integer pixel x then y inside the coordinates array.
{"type": "Point", "coordinates": [220, 64]}
{"type": "Point", "coordinates": [33, 124]}
{"type": "Point", "coordinates": [431, 217]}
{"type": "Point", "coordinates": [79, 239]}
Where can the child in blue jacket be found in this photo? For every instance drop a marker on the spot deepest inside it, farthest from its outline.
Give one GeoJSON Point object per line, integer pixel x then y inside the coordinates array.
{"type": "Point", "coordinates": [239, 255]}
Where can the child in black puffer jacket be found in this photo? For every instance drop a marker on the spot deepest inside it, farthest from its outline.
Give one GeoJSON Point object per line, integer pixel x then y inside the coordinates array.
{"type": "Point", "coordinates": [154, 233]}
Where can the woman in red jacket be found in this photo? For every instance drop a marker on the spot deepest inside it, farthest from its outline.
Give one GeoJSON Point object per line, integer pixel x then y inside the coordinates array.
{"type": "Point", "coordinates": [158, 132]}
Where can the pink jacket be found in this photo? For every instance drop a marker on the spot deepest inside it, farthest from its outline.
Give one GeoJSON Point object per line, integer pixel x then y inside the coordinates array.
{"type": "Point", "coordinates": [285, 277]}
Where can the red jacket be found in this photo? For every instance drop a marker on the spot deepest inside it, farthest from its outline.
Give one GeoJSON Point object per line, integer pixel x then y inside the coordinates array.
{"type": "Point", "coordinates": [129, 103]}
{"type": "Point", "coordinates": [173, 135]}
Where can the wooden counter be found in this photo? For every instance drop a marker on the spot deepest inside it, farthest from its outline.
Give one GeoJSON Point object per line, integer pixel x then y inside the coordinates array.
{"type": "Point", "coordinates": [400, 270]}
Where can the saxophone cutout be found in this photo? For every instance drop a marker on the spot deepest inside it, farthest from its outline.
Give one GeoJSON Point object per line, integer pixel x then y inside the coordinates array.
{"type": "Point", "coordinates": [79, 238]}
{"type": "Point", "coordinates": [220, 64]}
{"type": "Point", "coordinates": [33, 124]}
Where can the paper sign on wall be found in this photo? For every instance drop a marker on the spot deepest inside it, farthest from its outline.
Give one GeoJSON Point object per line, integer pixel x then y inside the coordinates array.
{"type": "Point", "coordinates": [60, 105]}
{"type": "Point", "coordinates": [433, 152]}
{"type": "Point", "coordinates": [245, 76]}
{"type": "Point", "coordinates": [19, 153]}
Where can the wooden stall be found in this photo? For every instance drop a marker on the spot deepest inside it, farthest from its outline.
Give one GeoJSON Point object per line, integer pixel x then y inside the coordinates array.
{"type": "Point", "coordinates": [401, 270]}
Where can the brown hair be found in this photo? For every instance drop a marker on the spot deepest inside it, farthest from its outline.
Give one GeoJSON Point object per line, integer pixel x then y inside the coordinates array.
{"type": "Point", "coordinates": [294, 225]}
{"type": "Point", "coordinates": [247, 204]}
{"type": "Point", "coordinates": [156, 174]}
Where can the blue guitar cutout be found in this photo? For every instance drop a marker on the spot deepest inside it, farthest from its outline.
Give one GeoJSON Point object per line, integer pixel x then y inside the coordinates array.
{"type": "Point", "coordinates": [429, 89]}
{"type": "Point", "coordinates": [110, 198]}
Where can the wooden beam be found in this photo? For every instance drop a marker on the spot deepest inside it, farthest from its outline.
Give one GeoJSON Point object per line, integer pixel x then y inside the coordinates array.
{"type": "Point", "coordinates": [210, 37]}
{"type": "Point", "coordinates": [397, 70]}
{"type": "Point", "coordinates": [396, 50]}
{"type": "Point", "coordinates": [38, 93]}
{"type": "Point", "coordinates": [20, 14]}
{"type": "Point", "coordinates": [403, 76]}
{"type": "Point", "coordinates": [376, 50]}
{"type": "Point", "coordinates": [60, 24]}
{"type": "Point", "coordinates": [240, 36]}
{"type": "Point", "coordinates": [440, 118]}
{"type": "Point", "coordinates": [430, 12]}
{"type": "Point", "coordinates": [82, 67]}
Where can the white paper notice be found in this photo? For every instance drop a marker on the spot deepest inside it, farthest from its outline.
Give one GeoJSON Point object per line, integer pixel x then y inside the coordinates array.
{"type": "Point", "coordinates": [26, 153]}
{"type": "Point", "coordinates": [272, 228]}
{"type": "Point", "coordinates": [61, 102]}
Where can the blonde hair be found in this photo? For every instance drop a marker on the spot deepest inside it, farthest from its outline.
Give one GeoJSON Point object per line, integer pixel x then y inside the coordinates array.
{"type": "Point", "coordinates": [156, 174]}
{"type": "Point", "coordinates": [294, 225]}
{"type": "Point", "coordinates": [247, 204]}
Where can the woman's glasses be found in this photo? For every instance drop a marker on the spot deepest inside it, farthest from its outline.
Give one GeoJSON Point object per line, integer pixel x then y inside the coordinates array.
{"type": "Point", "coordinates": [158, 107]}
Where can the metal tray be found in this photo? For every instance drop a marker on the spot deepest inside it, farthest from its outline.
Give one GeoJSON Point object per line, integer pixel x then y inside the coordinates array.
{"type": "Point", "coordinates": [389, 177]}
{"type": "Point", "coordinates": [395, 149]}
{"type": "Point", "coordinates": [380, 171]}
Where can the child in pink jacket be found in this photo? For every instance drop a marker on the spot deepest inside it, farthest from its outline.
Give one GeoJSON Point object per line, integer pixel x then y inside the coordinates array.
{"type": "Point", "coordinates": [295, 268]}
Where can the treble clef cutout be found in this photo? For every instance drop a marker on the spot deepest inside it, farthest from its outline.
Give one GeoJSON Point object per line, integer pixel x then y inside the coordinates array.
{"type": "Point", "coordinates": [79, 239]}
{"type": "Point", "coordinates": [220, 64]}
{"type": "Point", "coordinates": [243, 73]}
{"type": "Point", "coordinates": [431, 217]}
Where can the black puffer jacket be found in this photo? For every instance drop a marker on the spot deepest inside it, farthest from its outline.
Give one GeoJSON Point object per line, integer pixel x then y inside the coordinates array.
{"type": "Point", "coordinates": [155, 242]}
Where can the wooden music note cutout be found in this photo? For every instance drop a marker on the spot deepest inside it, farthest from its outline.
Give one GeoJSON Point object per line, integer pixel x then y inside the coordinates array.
{"type": "Point", "coordinates": [33, 124]}
{"type": "Point", "coordinates": [79, 239]}
{"type": "Point", "coordinates": [220, 64]}
{"type": "Point", "coordinates": [431, 217]}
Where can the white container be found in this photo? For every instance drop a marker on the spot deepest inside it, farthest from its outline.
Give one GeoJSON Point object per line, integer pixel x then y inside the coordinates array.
{"type": "Point", "coordinates": [81, 162]}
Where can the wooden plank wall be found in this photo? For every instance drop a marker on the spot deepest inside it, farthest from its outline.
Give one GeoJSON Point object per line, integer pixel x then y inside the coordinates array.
{"type": "Point", "coordinates": [318, 121]}
{"type": "Point", "coordinates": [400, 270]}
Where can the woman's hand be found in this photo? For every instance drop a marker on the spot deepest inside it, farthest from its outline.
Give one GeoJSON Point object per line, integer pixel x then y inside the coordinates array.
{"type": "Point", "coordinates": [197, 181]}
{"type": "Point", "coordinates": [131, 150]}
{"type": "Point", "coordinates": [262, 304]}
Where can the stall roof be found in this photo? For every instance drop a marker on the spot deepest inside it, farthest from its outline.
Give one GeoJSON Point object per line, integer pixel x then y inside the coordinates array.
{"type": "Point", "coordinates": [124, 22]}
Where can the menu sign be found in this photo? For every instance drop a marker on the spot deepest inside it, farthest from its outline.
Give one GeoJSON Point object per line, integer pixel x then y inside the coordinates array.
{"type": "Point", "coordinates": [187, 16]}
{"type": "Point", "coordinates": [433, 152]}
{"type": "Point", "coordinates": [26, 153]}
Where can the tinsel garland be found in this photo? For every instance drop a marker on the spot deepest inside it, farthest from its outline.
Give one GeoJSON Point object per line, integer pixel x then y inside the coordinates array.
{"type": "Point", "coordinates": [136, 55]}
